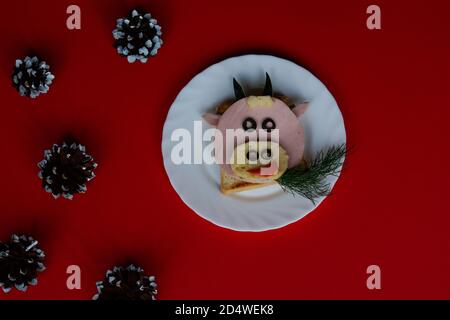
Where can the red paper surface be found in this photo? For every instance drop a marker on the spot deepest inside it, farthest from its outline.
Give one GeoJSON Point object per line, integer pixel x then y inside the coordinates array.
{"type": "Point", "coordinates": [388, 208]}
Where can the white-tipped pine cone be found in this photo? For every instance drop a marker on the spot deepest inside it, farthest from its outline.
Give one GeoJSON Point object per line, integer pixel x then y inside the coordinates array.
{"type": "Point", "coordinates": [66, 169]}
{"type": "Point", "coordinates": [138, 36]}
{"type": "Point", "coordinates": [32, 77]}
{"type": "Point", "coordinates": [129, 283]}
{"type": "Point", "coordinates": [21, 260]}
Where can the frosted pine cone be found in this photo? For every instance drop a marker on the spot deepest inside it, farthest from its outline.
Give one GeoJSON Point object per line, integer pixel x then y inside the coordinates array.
{"type": "Point", "coordinates": [66, 169]}
{"type": "Point", "coordinates": [129, 283]}
{"type": "Point", "coordinates": [138, 36]}
{"type": "Point", "coordinates": [32, 76]}
{"type": "Point", "coordinates": [20, 262]}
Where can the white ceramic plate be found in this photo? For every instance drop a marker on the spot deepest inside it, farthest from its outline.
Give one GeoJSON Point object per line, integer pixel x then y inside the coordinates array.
{"type": "Point", "coordinates": [198, 184]}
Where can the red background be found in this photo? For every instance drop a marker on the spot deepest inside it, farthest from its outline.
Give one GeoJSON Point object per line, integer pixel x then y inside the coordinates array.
{"type": "Point", "coordinates": [389, 208]}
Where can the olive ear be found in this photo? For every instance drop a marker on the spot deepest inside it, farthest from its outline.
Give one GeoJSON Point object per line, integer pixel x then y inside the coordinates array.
{"type": "Point", "coordinates": [211, 118]}
{"type": "Point", "coordinates": [300, 109]}
{"type": "Point", "coordinates": [268, 86]}
{"type": "Point", "coordinates": [238, 91]}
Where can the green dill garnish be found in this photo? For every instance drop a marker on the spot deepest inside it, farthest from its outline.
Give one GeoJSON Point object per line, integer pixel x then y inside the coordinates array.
{"type": "Point", "coordinates": [309, 181]}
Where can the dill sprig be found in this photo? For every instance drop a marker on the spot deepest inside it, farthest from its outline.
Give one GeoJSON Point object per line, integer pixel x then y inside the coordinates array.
{"type": "Point", "coordinates": [309, 181]}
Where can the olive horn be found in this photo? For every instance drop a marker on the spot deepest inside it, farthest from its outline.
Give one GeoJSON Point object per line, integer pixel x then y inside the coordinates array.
{"type": "Point", "coordinates": [238, 91]}
{"type": "Point", "coordinates": [268, 86]}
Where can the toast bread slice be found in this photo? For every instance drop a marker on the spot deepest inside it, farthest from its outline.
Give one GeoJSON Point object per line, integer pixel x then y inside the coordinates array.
{"type": "Point", "coordinates": [230, 184]}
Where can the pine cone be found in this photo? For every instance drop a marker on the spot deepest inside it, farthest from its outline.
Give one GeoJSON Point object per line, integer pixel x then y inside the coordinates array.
{"type": "Point", "coordinates": [32, 76]}
{"type": "Point", "coordinates": [126, 284]}
{"type": "Point", "coordinates": [20, 261]}
{"type": "Point", "coordinates": [66, 169]}
{"type": "Point", "coordinates": [138, 36]}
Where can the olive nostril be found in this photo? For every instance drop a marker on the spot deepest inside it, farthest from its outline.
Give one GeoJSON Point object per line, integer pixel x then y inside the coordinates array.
{"type": "Point", "coordinates": [252, 155]}
{"type": "Point", "coordinates": [266, 154]}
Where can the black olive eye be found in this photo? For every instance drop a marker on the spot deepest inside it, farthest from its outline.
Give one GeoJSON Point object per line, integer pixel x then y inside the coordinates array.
{"type": "Point", "coordinates": [266, 154]}
{"type": "Point", "coordinates": [268, 124]}
{"type": "Point", "coordinates": [252, 156]}
{"type": "Point", "coordinates": [249, 124]}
